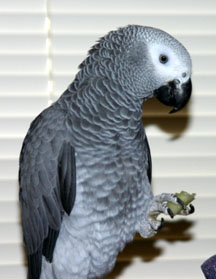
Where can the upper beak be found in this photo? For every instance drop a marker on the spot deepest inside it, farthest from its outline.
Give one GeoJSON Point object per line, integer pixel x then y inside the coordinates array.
{"type": "Point", "coordinates": [174, 94]}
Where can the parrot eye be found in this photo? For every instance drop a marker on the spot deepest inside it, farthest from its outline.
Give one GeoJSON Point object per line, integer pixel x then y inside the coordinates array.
{"type": "Point", "coordinates": [163, 59]}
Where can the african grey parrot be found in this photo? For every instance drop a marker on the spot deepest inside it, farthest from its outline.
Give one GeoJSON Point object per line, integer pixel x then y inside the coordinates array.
{"type": "Point", "coordinates": [85, 163]}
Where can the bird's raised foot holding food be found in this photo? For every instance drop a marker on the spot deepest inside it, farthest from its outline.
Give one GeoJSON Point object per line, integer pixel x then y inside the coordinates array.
{"type": "Point", "coordinates": [165, 203]}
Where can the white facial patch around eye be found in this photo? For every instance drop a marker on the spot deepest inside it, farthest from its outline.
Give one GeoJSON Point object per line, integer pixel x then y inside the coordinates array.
{"type": "Point", "coordinates": [171, 68]}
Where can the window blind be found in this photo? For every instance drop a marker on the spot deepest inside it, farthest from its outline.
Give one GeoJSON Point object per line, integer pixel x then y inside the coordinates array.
{"type": "Point", "coordinates": [23, 94]}
{"type": "Point", "coordinates": [41, 45]}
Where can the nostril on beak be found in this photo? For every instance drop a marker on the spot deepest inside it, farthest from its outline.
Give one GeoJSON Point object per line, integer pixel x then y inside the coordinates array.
{"type": "Point", "coordinates": [184, 74]}
{"type": "Point", "coordinates": [176, 81]}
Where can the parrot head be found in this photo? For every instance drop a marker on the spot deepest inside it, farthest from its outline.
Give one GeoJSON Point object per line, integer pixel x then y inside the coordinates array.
{"type": "Point", "coordinates": [156, 64]}
{"type": "Point", "coordinates": [147, 62]}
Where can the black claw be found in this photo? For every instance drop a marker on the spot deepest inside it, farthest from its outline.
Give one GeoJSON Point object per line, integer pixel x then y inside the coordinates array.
{"type": "Point", "coordinates": [179, 201]}
{"type": "Point", "coordinates": [192, 209]}
{"type": "Point", "coordinates": [161, 224]}
{"type": "Point", "coordinates": [171, 214]}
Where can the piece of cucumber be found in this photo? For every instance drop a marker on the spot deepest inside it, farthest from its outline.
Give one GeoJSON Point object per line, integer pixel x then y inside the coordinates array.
{"type": "Point", "coordinates": [185, 197]}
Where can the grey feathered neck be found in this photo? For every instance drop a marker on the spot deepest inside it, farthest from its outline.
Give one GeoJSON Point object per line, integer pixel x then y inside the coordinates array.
{"type": "Point", "coordinates": [99, 100]}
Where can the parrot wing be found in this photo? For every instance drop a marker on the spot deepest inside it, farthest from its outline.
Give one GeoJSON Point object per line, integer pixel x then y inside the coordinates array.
{"type": "Point", "coordinates": [47, 179]}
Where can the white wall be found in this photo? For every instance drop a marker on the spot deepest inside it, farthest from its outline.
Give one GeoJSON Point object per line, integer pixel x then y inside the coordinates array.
{"type": "Point", "coordinates": [41, 45]}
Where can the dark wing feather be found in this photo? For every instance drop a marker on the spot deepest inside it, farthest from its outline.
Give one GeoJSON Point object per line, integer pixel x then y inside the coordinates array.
{"type": "Point", "coordinates": [67, 177]}
{"type": "Point", "coordinates": [49, 244]}
{"type": "Point", "coordinates": [149, 170]}
{"type": "Point", "coordinates": [47, 178]}
{"type": "Point", "coordinates": [34, 264]}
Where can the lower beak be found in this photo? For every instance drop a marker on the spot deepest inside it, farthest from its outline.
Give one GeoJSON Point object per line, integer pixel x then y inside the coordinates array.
{"type": "Point", "coordinates": [174, 94]}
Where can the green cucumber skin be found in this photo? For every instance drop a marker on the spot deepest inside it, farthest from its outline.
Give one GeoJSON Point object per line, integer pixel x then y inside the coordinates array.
{"type": "Point", "coordinates": [185, 197]}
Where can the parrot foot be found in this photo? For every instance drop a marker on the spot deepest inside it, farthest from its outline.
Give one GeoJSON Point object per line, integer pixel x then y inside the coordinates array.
{"type": "Point", "coordinates": [159, 205]}
{"type": "Point", "coordinates": [150, 225]}
{"type": "Point", "coordinates": [167, 197]}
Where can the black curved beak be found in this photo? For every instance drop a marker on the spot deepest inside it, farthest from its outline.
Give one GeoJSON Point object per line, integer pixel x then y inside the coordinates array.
{"type": "Point", "coordinates": [174, 94]}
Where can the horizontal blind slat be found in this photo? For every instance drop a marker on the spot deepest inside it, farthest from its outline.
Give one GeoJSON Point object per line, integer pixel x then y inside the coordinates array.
{"type": "Point", "coordinates": [33, 63]}
{"type": "Point", "coordinates": [23, 22]}
{"type": "Point", "coordinates": [9, 212]}
{"type": "Point", "coordinates": [184, 165]}
{"type": "Point", "coordinates": [33, 84]}
{"type": "Point", "coordinates": [24, 5]}
{"type": "Point", "coordinates": [9, 189]}
{"type": "Point", "coordinates": [10, 233]}
{"type": "Point", "coordinates": [84, 6]}
{"type": "Point", "coordinates": [172, 22]}
{"type": "Point", "coordinates": [202, 185]}
{"type": "Point", "coordinates": [13, 271]}
{"type": "Point", "coordinates": [22, 105]}
{"type": "Point", "coordinates": [22, 43]}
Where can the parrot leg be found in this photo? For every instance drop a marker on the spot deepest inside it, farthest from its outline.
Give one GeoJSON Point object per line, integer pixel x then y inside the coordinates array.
{"type": "Point", "coordinates": [149, 225]}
